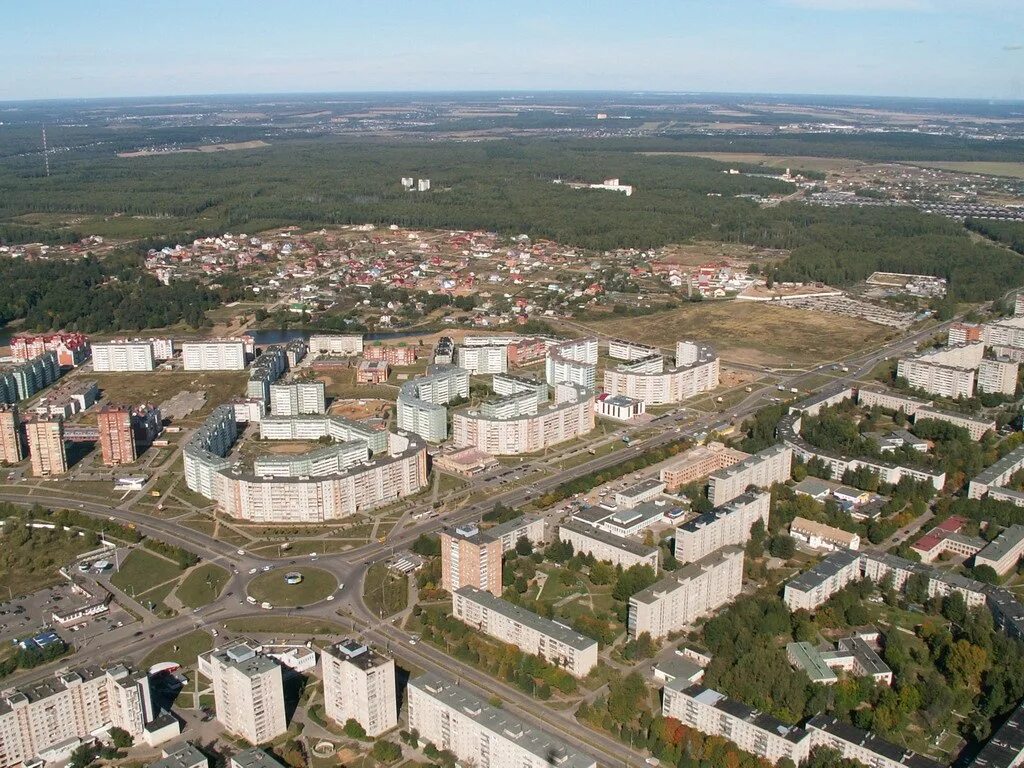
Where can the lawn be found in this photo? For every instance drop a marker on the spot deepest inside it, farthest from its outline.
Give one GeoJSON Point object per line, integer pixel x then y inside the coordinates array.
{"type": "Point", "coordinates": [385, 592]}
{"type": "Point", "coordinates": [32, 562]}
{"type": "Point", "coordinates": [141, 571]}
{"type": "Point", "coordinates": [203, 585]}
{"type": "Point", "coordinates": [285, 625]}
{"type": "Point", "coordinates": [749, 332]}
{"type": "Point", "coordinates": [270, 587]}
{"type": "Point", "coordinates": [181, 650]}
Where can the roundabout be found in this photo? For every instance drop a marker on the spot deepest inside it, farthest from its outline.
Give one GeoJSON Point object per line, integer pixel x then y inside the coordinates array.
{"type": "Point", "coordinates": [297, 586]}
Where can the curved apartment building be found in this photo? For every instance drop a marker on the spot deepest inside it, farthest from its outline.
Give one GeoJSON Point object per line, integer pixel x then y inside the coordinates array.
{"type": "Point", "coordinates": [696, 371]}
{"type": "Point", "coordinates": [324, 484]}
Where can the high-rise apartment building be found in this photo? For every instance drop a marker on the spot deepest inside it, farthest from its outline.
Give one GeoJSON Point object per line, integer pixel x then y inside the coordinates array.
{"type": "Point", "coordinates": [248, 692]}
{"type": "Point", "coordinates": [46, 445]}
{"type": "Point", "coordinates": [723, 526]}
{"type": "Point", "coordinates": [301, 397]}
{"type": "Point", "coordinates": [213, 355]}
{"type": "Point", "coordinates": [764, 468]}
{"type": "Point", "coordinates": [470, 557]}
{"type": "Point", "coordinates": [46, 720]}
{"type": "Point", "coordinates": [117, 443]}
{"type": "Point", "coordinates": [359, 684]}
{"type": "Point", "coordinates": [123, 356]}
{"type": "Point", "coordinates": [11, 449]}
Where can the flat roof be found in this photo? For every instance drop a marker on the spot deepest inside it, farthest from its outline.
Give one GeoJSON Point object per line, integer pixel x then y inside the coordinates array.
{"type": "Point", "coordinates": [559, 632]}
{"type": "Point", "coordinates": [809, 659]}
{"type": "Point", "coordinates": [1001, 546]}
{"type": "Point", "coordinates": [515, 524]}
{"type": "Point", "coordinates": [719, 701]}
{"type": "Point", "coordinates": [824, 570]}
{"type": "Point", "coordinates": [184, 756]}
{"type": "Point", "coordinates": [646, 486]}
{"type": "Point", "coordinates": [865, 654]}
{"type": "Point", "coordinates": [626, 545]}
{"type": "Point", "coordinates": [506, 726]}
{"type": "Point", "coordinates": [852, 735]}
{"type": "Point", "coordinates": [659, 589]}
{"type": "Point", "coordinates": [254, 758]}
{"type": "Point", "coordinates": [989, 475]}
{"type": "Point", "coordinates": [813, 486]}
{"type": "Point", "coordinates": [730, 507]}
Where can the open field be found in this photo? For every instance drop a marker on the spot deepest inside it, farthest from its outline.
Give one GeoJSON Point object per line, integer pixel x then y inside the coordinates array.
{"type": "Point", "coordinates": [182, 650]}
{"type": "Point", "coordinates": [202, 586]}
{"type": "Point", "coordinates": [384, 591]}
{"type": "Point", "coordinates": [157, 386]}
{"type": "Point", "coordinates": [227, 147]}
{"type": "Point", "coordinates": [805, 162]}
{"type": "Point", "coordinates": [32, 564]}
{"type": "Point", "coordinates": [142, 571]}
{"type": "Point", "coordinates": [1010, 170]}
{"type": "Point", "coordinates": [316, 584]}
{"type": "Point", "coordinates": [748, 332]}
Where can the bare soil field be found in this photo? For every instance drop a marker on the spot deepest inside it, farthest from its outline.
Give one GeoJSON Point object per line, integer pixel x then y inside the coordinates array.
{"type": "Point", "coordinates": [807, 162]}
{"type": "Point", "coordinates": [1009, 170]}
{"type": "Point", "coordinates": [228, 147]}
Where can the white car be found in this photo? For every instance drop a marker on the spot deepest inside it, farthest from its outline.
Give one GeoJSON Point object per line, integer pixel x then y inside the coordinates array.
{"type": "Point", "coordinates": [253, 570]}
{"type": "Point", "coordinates": [330, 597]}
{"type": "Point", "coordinates": [241, 551]}
{"type": "Point", "coordinates": [266, 568]}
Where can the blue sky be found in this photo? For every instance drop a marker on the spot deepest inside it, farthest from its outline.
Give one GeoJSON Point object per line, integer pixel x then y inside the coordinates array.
{"type": "Point", "coordinates": [71, 48]}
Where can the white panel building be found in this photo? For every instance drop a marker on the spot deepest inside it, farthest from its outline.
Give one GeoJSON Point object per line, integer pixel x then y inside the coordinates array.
{"type": "Point", "coordinates": [122, 356]}
{"type": "Point", "coordinates": [359, 684]}
{"type": "Point", "coordinates": [213, 355]}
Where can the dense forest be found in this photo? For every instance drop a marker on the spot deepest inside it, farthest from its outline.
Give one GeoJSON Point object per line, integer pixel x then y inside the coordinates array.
{"type": "Point", "coordinates": [90, 295]}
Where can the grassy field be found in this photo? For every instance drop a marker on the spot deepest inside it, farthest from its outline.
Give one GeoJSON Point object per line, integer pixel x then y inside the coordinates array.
{"type": "Point", "coordinates": [270, 587]}
{"type": "Point", "coordinates": [385, 592]}
{"type": "Point", "coordinates": [157, 386]}
{"type": "Point", "coordinates": [203, 585]}
{"type": "Point", "coordinates": [182, 650]}
{"type": "Point", "coordinates": [285, 625]}
{"type": "Point", "coordinates": [1010, 170]}
{"type": "Point", "coordinates": [32, 565]}
{"type": "Point", "coordinates": [749, 332]}
{"type": "Point", "coordinates": [142, 571]}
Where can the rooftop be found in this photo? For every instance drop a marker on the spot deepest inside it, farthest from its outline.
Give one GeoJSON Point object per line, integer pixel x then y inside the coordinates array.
{"type": "Point", "coordinates": [626, 545]}
{"type": "Point", "coordinates": [184, 756]}
{"type": "Point", "coordinates": [254, 758]}
{"type": "Point", "coordinates": [552, 629]}
{"type": "Point", "coordinates": [506, 726]}
{"type": "Point", "coordinates": [681, 575]}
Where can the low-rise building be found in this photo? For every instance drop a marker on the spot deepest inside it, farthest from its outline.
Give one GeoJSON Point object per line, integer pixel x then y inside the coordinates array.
{"type": "Point", "coordinates": [822, 536]}
{"type": "Point", "coordinates": [554, 642]}
{"type": "Point", "coordinates": [606, 546]}
{"type": "Point", "coordinates": [372, 372]}
{"type": "Point", "coordinates": [185, 756]}
{"type": "Point", "coordinates": [619, 407]}
{"type": "Point", "coordinates": [511, 531]}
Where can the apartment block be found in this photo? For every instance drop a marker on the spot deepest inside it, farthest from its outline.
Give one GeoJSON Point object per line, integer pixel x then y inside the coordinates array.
{"type": "Point", "coordinates": [509, 532]}
{"type": "Point", "coordinates": [400, 356]}
{"type": "Point", "coordinates": [692, 591]}
{"type": "Point", "coordinates": [11, 447]}
{"type": "Point", "coordinates": [623, 349]}
{"type": "Point", "coordinates": [724, 526]}
{"type": "Point", "coordinates": [421, 401]}
{"type": "Point", "coordinates": [975, 427]}
{"type": "Point", "coordinates": [964, 333]}
{"type": "Point", "coordinates": [47, 720]}
{"type": "Point", "coordinates": [336, 345]}
{"type": "Point", "coordinates": [998, 376]}
{"type": "Point", "coordinates": [855, 744]}
{"type": "Point", "coordinates": [697, 370]}
{"type": "Point", "coordinates": [890, 401]}
{"type": "Point", "coordinates": [710, 712]}
{"type": "Point", "coordinates": [996, 475]}
{"type": "Point", "coordinates": [298, 398]}
{"type": "Point", "coordinates": [46, 445]}
{"type": "Point", "coordinates": [123, 356]}
{"type": "Point", "coordinates": [947, 372]}
{"type": "Point", "coordinates": [71, 347]}
{"type": "Point", "coordinates": [699, 462]}
{"type": "Point", "coordinates": [814, 586]}
{"type": "Point", "coordinates": [451, 718]}
{"type": "Point", "coordinates": [248, 692]}
{"type": "Point", "coordinates": [359, 684]}
{"type": "Point", "coordinates": [530, 633]}
{"type": "Point", "coordinates": [213, 355]}
{"type": "Point", "coordinates": [572, 362]}
{"type": "Point", "coordinates": [606, 546]}
{"type": "Point", "coordinates": [772, 465]}
{"type": "Point", "coordinates": [483, 360]}
{"type": "Point", "coordinates": [470, 557]}
{"type": "Point", "coordinates": [1004, 552]}
{"type": "Point", "coordinates": [117, 443]}
{"type": "Point", "coordinates": [185, 756]}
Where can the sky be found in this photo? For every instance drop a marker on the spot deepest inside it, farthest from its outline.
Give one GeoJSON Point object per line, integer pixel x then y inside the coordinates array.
{"type": "Point", "coordinates": [106, 48]}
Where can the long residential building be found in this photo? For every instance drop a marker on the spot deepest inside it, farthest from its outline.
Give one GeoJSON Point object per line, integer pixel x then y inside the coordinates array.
{"type": "Point", "coordinates": [696, 371]}
{"type": "Point", "coordinates": [451, 718]}
{"type": "Point", "coordinates": [890, 401]}
{"type": "Point", "coordinates": [723, 526]}
{"type": "Point", "coordinates": [509, 532]}
{"type": "Point", "coordinates": [762, 469]}
{"type": "Point", "coordinates": [698, 462]}
{"type": "Point", "coordinates": [1004, 552]}
{"type": "Point", "coordinates": [421, 402]}
{"type": "Point", "coordinates": [123, 356]}
{"type": "Point", "coordinates": [213, 355]}
{"type": "Point", "coordinates": [684, 595]}
{"type": "Point", "coordinates": [606, 546]}
{"type": "Point", "coordinates": [336, 345]}
{"type": "Point", "coordinates": [71, 347]}
{"type": "Point", "coordinates": [712, 713]}
{"type": "Point", "coordinates": [481, 361]}
{"type": "Point", "coordinates": [948, 372]}
{"type": "Point", "coordinates": [21, 381]}
{"type": "Point", "coordinates": [788, 430]}
{"type": "Point", "coordinates": [991, 479]}
{"type": "Point", "coordinates": [572, 362]}
{"type": "Point", "coordinates": [359, 684]}
{"type": "Point", "coordinates": [248, 692]}
{"type": "Point", "coordinates": [397, 468]}
{"type": "Point", "coordinates": [532, 634]}
{"type": "Point", "coordinates": [528, 428]}
{"type": "Point", "coordinates": [47, 720]}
